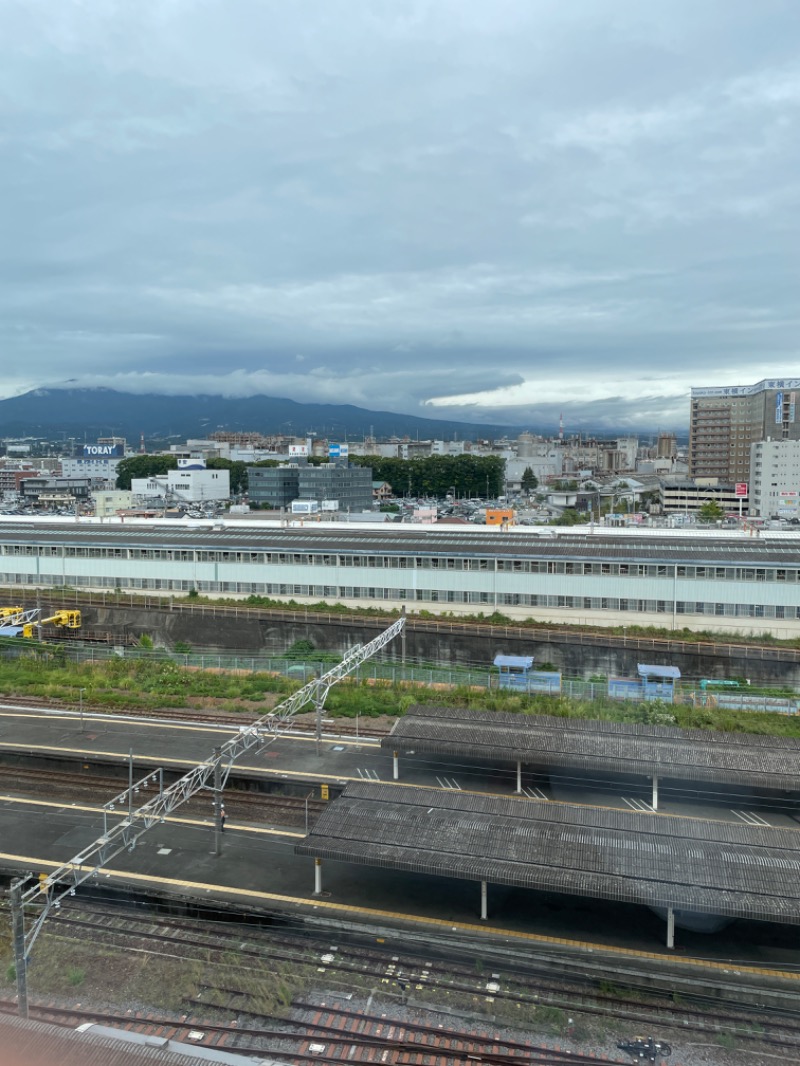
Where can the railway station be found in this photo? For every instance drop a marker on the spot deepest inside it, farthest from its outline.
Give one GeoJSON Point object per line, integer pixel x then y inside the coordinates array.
{"type": "Point", "coordinates": [533, 841]}
{"type": "Point", "coordinates": [677, 864]}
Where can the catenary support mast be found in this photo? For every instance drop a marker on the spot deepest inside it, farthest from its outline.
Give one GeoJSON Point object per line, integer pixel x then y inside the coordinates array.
{"type": "Point", "coordinates": [213, 774]}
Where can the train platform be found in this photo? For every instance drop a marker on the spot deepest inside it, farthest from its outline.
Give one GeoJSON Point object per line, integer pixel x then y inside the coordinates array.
{"type": "Point", "coordinates": [296, 762]}
{"type": "Point", "coordinates": [258, 871]}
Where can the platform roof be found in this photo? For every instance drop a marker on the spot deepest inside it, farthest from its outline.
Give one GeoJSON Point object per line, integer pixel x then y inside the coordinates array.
{"type": "Point", "coordinates": [652, 859]}
{"type": "Point", "coordinates": [598, 746]}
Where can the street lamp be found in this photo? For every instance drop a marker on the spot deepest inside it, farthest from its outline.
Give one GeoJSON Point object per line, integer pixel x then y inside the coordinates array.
{"type": "Point", "coordinates": [80, 704]}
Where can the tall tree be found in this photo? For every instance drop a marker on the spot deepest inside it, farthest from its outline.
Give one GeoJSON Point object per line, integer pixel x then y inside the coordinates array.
{"type": "Point", "coordinates": [710, 511]}
{"type": "Point", "coordinates": [136, 466]}
{"type": "Point", "coordinates": [529, 480]}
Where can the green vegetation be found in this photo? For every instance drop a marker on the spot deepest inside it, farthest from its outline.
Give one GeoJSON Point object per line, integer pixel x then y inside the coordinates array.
{"type": "Point", "coordinates": [306, 651]}
{"type": "Point", "coordinates": [143, 466]}
{"type": "Point", "coordinates": [438, 475]}
{"type": "Point", "coordinates": [570, 517]}
{"type": "Point", "coordinates": [529, 482]}
{"type": "Point", "coordinates": [160, 683]}
{"type": "Point", "coordinates": [710, 511]}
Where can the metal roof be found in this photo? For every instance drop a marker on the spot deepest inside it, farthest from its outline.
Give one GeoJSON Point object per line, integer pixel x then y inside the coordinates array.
{"type": "Point", "coordinates": [599, 746]}
{"type": "Point", "coordinates": [520, 662]}
{"type": "Point", "coordinates": [30, 1043]}
{"type": "Point", "coordinates": [410, 541]}
{"type": "Point", "coordinates": [657, 860]}
{"type": "Point", "coordinates": [668, 673]}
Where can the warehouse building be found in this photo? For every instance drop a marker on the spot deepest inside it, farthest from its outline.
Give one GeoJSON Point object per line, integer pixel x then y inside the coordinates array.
{"type": "Point", "coordinates": [737, 584]}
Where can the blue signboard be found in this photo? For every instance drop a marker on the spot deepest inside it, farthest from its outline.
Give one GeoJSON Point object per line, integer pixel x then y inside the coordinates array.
{"type": "Point", "coordinates": [778, 408]}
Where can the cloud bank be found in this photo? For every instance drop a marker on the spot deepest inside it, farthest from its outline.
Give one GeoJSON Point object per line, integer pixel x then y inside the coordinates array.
{"type": "Point", "coordinates": [489, 211]}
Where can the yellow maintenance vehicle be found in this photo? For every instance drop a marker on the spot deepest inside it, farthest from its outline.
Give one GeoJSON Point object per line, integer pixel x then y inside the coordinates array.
{"type": "Point", "coordinates": [65, 619]}
{"type": "Point", "coordinates": [17, 622]}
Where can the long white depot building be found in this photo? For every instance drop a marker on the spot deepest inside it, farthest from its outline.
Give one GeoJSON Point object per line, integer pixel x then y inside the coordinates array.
{"type": "Point", "coordinates": [722, 581]}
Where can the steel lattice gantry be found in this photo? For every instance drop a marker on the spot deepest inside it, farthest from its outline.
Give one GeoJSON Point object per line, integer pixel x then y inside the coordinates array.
{"type": "Point", "coordinates": [211, 774]}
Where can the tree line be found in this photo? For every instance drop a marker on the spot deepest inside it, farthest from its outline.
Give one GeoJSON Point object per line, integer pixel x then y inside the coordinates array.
{"type": "Point", "coordinates": [436, 475]}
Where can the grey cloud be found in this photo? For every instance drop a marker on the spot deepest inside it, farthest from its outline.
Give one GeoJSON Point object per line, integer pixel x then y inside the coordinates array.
{"type": "Point", "coordinates": [423, 200]}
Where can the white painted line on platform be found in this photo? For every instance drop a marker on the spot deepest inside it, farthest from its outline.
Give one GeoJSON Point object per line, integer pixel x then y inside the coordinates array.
{"type": "Point", "coordinates": [751, 818]}
{"type": "Point", "coordinates": [534, 793]}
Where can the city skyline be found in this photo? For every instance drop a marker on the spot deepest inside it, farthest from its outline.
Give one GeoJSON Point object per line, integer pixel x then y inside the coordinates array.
{"type": "Point", "coordinates": [453, 210]}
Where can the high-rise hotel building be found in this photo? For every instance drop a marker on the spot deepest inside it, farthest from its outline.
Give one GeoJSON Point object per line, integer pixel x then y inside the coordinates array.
{"type": "Point", "coordinates": [726, 421]}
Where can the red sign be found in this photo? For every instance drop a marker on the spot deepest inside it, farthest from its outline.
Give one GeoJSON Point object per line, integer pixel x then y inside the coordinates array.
{"type": "Point", "coordinates": [741, 488]}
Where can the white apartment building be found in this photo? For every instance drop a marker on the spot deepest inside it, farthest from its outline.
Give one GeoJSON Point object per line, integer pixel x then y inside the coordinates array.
{"type": "Point", "coordinates": [102, 467]}
{"type": "Point", "coordinates": [775, 479]}
{"type": "Point", "coordinates": [194, 485]}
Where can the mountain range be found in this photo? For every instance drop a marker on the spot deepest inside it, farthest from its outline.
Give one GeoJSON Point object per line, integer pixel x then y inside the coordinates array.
{"type": "Point", "coordinates": [88, 413]}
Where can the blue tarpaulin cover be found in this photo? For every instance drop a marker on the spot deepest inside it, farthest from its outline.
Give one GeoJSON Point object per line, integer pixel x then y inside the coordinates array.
{"type": "Point", "coordinates": [671, 673]}
{"type": "Point", "coordinates": [518, 662]}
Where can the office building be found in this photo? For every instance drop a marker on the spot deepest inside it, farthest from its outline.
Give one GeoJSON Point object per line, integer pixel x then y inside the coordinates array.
{"type": "Point", "coordinates": [775, 479]}
{"type": "Point", "coordinates": [277, 487]}
{"type": "Point", "coordinates": [726, 422]}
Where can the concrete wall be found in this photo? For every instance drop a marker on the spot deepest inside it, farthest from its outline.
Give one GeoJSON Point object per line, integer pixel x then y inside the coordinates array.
{"type": "Point", "coordinates": [255, 633]}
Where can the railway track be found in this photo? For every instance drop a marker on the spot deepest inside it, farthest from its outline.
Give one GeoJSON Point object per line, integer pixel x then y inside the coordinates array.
{"type": "Point", "coordinates": [349, 1037]}
{"type": "Point", "coordinates": [343, 726]}
{"type": "Point", "coordinates": [241, 805]}
{"type": "Point", "coordinates": [355, 964]}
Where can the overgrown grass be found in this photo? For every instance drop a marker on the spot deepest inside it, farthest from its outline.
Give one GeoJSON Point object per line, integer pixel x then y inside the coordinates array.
{"type": "Point", "coordinates": [161, 683]}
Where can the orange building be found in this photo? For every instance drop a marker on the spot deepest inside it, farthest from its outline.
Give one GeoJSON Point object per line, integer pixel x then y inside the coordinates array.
{"type": "Point", "coordinates": [499, 516]}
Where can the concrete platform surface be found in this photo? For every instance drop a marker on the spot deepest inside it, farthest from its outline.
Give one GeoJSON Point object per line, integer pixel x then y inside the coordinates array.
{"type": "Point", "coordinates": [258, 869]}
{"type": "Point", "coordinates": [61, 737]}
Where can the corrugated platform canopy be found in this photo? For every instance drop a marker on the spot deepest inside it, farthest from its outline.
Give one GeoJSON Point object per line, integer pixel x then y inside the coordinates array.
{"type": "Point", "coordinates": [514, 662]}
{"type": "Point", "coordinates": [605, 747]}
{"type": "Point", "coordinates": [663, 673]}
{"type": "Point", "coordinates": [657, 860]}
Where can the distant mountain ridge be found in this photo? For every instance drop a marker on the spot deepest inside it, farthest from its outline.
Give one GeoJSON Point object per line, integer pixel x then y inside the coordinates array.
{"type": "Point", "coordinates": [102, 412]}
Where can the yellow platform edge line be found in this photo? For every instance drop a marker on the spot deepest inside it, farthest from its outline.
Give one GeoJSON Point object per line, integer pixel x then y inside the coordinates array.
{"type": "Point", "coordinates": [434, 923]}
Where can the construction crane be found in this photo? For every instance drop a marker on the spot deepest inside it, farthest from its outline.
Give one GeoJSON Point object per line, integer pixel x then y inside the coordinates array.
{"type": "Point", "coordinates": [212, 774]}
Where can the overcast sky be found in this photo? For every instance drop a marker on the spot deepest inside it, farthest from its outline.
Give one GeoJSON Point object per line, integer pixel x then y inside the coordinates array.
{"type": "Point", "coordinates": [480, 209]}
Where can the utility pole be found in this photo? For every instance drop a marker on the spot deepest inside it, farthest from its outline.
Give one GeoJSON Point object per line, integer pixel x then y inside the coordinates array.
{"type": "Point", "coordinates": [217, 802]}
{"type": "Point", "coordinates": [20, 962]}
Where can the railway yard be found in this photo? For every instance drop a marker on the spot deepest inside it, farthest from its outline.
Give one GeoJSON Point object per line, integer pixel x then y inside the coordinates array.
{"type": "Point", "coordinates": [390, 960]}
